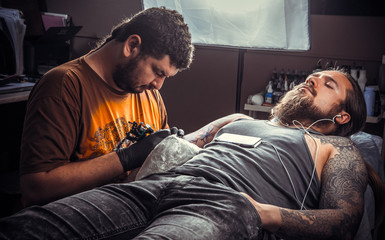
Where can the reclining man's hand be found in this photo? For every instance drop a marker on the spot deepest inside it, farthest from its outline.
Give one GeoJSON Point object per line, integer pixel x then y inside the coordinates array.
{"type": "Point", "coordinates": [133, 156]}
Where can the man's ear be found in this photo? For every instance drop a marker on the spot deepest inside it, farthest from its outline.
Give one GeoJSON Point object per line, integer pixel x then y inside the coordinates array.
{"type": "Point", "coordinates": [342, 117]}
{"type": "Point", "coordinates": [132, 45]}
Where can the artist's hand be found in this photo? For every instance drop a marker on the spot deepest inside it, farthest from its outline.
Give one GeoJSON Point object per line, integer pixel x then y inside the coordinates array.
{"type": "Point", "coordinates": [133, 156]}
{"type": "Point", "coordinates": [178, 131]}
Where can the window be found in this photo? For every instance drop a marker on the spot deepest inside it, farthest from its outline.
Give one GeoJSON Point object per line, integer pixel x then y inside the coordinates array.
{"type": "Point", "coordinates": [255, 24]}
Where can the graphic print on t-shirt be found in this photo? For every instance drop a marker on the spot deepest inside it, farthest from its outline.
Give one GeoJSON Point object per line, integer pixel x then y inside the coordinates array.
{"type": "Point", "coordinates": [106, 138]}
{"type": "Point", "coordinates": [110, 121]}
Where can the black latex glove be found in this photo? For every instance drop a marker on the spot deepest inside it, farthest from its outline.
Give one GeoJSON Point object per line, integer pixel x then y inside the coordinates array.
{"type": "Point", "coordinates": [133, 156]}
{"type": "Point", "coordinates": [179, 132]}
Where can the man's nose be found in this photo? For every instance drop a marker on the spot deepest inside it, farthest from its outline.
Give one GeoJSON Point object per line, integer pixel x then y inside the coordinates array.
{"type": "Point", "coordinates": [313, 81]}
{"type": "Point", "coordinates": [158, 82]}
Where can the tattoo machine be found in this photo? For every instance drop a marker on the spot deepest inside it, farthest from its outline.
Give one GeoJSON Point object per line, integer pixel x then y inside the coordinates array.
{"type": "Point", "coordinates": [136, 133]}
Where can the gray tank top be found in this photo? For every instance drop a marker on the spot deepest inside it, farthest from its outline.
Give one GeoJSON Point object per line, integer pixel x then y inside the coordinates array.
{"type": "Point", "coordinates": [278, 171]}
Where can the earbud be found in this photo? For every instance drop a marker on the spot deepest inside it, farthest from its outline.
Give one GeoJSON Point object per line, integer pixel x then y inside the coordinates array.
{"type": "Point", "coordinates": [336, 116]}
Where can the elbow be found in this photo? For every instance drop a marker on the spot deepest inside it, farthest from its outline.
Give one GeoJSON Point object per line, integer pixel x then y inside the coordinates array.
{"type": "Point", "coordinates": [32, 190]}
{"type": "Point", "coordinates": [349, 225]}
{"type": "Point", "coordinates": [240, 116]}
{"type": "Point", "coordinates": [29, 199]}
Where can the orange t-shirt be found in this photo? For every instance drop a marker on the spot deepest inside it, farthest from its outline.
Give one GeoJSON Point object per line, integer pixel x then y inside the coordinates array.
{"type": "Point", "coordinates": [73, 115]}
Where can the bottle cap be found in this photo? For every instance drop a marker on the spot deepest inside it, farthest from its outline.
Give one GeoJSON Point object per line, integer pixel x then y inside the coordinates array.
{"type": "Point", "coordinates": [371, 88]}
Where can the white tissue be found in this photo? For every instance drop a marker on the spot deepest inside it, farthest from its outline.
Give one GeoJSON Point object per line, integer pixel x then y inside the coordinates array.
{"type": "Point", "coordinates": [170, 152]}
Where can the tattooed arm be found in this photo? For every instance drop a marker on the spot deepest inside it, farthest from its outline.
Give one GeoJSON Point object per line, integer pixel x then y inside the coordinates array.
{"type": "Point", "coordinates": [205, 134]}
{"type": "Point", "coordinates": [343, 180]}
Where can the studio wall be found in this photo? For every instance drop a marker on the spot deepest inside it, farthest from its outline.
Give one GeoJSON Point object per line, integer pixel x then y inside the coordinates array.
{"type": "Point", "coordinates": [208, 89]}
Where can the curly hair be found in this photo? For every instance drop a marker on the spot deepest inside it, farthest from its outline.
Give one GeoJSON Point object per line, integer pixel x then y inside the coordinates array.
{"type": "Point", "coordinates": [162, 31]}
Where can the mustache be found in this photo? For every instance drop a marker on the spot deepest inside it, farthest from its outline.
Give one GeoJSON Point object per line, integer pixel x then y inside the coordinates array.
{"type": "Point", "coordinates": [308, 87]}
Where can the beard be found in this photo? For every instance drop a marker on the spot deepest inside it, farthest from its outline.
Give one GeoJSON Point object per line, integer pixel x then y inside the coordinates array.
{"type": "Point", "coordinates": [296, 105]}
{"type": "Point", "coordinates": [123, 75]}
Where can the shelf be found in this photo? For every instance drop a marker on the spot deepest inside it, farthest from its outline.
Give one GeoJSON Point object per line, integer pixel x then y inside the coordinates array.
{"type": "Point", "coordinates": [375, 119]}
{"type": "Point", "coordinates": [15, 92]}
{"type": "Point", "coordinates": [267, 109]}
{"type": "Point", "coordinates": [14, 97]}
{"type": "Point", "coordinates": [257, 108]}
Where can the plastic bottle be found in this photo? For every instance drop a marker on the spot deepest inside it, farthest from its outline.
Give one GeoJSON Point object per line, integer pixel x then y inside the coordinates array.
{"type": "Point", "coordinates": [362, 79]}
{"type": "Point", "coordinates": [269, 94]}
{"type": "Point", "coordinates": [274, 78]}
{"type": "Point", "coordinates": [354, 73]}
{"type": "Point", "coordinates": [381, 77]}
{"type": "Point", "coordinates": [377, 101]}
{"type": "Point", "coordinates": [370, 96]}
{"type": "Point", "coordinates": [286, 85]}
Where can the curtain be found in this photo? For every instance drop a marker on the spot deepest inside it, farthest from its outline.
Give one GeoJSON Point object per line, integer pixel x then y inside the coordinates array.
{"type": "Point", "coordinates": [249, 24]}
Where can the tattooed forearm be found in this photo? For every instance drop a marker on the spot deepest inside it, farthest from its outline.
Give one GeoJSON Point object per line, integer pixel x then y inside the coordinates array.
{"type": "Point", "coordinates": [207, 133]}
{"type": "Point", "coordinates": [312, 224]}
{"type": "Point", "coordinates": [204, 135]}
{"type": "Point", "coordinates": [343, 182]}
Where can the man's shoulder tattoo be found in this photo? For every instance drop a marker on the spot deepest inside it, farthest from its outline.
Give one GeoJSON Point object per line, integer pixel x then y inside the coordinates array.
{"type": "Point", "coordinates": [336, 141]}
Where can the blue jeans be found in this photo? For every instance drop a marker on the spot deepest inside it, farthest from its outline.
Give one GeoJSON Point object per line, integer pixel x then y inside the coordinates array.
{"type": "Point", "coordinates": [166, 206]}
